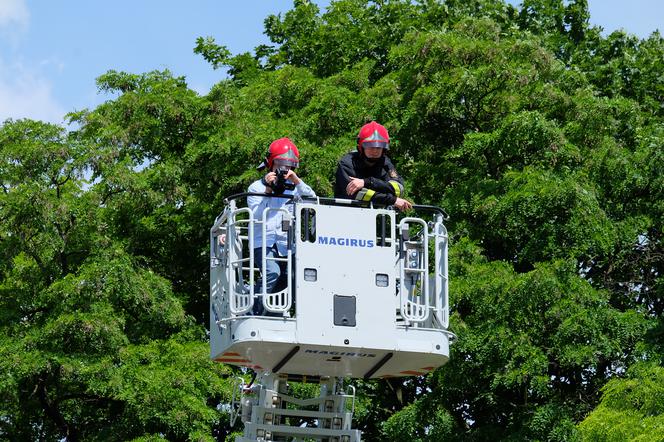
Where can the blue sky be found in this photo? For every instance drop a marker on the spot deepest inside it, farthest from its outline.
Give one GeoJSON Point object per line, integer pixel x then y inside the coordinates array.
{"type": "Point", "coordinates": [52, 51]}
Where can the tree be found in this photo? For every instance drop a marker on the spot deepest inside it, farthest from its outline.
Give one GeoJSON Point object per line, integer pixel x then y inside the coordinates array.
{"type": "Point", "coordinates": [631, 409]}
{"type": "Point", "coordinates": [92, 344]}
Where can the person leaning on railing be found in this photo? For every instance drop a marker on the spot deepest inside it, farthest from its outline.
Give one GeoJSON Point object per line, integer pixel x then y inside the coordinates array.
{"type": "Point", "coordinates": [368, 174]}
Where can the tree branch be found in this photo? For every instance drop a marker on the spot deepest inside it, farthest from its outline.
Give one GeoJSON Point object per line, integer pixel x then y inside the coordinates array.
{"type": "Point", "coordinates": [52, 411]}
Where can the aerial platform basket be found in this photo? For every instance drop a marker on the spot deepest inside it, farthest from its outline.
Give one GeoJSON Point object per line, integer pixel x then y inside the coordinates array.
{"type": "Point", "coordinates": [366, 293]}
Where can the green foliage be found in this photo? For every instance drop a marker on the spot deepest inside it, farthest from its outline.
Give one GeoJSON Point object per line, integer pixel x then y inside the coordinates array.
{"type": "Point", "coordinates": [623, 65]}
{"type": "Point", "coordinates": [529, 346]}
{"type": "Point", "coordinates": [88, 336]}
{"type": "Point", "coordinates": [415, 424]}
{"type": "Point", "coordinates": [213, 53]}
{"type": "Point", "coordinates": [537, 217]}
{"type": "Point", "coordinates": [632, 409]}
{"type": "Point", "coordinates": [351, 31]}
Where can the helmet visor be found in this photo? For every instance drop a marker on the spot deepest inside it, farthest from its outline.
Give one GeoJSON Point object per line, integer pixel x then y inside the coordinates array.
{"type": "Point", "coordinates": [285, 162]}
{"type": "Point", "coordinates": [376, 144]}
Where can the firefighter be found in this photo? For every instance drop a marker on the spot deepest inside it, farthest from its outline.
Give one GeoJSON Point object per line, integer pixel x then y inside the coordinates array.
{"type": "Point", "coordinates": [368, 174]}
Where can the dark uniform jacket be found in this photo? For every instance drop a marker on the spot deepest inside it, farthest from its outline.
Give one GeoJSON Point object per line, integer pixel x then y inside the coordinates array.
{"type": "Point", "coordinates": [382, 183]}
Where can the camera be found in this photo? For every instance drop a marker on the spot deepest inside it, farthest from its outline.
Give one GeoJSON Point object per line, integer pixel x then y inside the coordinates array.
{"type": "Point", "coordinates": [281, 184]}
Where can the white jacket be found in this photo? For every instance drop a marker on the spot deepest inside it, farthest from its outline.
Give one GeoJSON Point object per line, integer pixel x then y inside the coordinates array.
{"type": "Point", "coordinates": [258, 204]}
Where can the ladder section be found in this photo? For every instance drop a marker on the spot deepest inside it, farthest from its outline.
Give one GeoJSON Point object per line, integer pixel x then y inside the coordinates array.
{"type": "Point", "coordinates": [270, 413]}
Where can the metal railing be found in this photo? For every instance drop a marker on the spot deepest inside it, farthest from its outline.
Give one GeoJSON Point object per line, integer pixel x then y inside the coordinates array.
{"type": "Point", "coordinates": [422, 296]}
{"type": "Point", "coordinates": [414, 293]}
{"type": "Point", "coordinates": [235, 291]}
{"type": "Point", "coordinates": [281, 301]}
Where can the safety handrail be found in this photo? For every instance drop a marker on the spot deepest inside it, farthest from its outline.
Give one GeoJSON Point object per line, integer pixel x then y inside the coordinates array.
{"type": "Point", "coordinates": [271, 301]}
{"type": "Point", "coordinates": [441, 277]}
{"type": "Point", "coordinates": [265, 195]}
{"type": "Point", "coordinates": [425, 207]}
{"type": "Point", "coordinates": [413, 310]}
{"type": "Point", "coordinates": [241, 301]}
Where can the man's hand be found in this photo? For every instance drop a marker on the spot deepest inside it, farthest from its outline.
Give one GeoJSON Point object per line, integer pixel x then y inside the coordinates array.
{"type": "Point", "coordinates": [354, 186]}
{"type": "Point", "coordinates": [403, 204]}
{"type": "Point", "coordinates": [292, 177]}
{"type": "Point", "coordinates": [270, 179]}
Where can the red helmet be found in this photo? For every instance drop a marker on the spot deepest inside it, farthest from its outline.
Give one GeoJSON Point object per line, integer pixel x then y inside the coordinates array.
{"type": "Point", "coordinates": [373, 135]}
{"type": "Point", "coordinates": [282, 152]}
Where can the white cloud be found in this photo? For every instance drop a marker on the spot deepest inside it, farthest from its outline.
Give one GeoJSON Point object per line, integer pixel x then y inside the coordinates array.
{"type": "Point", "coordinates": [25, 94]}
{"type": "Point", "coordinates": [14, 12]}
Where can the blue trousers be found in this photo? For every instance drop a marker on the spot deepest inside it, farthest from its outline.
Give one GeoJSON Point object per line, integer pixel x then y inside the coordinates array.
{"type": "Point", "coordinates": [275, 275]}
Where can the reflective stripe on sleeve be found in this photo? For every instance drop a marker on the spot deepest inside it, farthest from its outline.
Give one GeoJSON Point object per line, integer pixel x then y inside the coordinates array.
{"type": "Point", "coordinates": [365, 195]}
{"type": "Point", "coordinates": [398, 188]}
